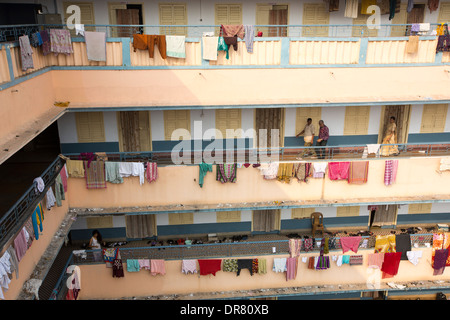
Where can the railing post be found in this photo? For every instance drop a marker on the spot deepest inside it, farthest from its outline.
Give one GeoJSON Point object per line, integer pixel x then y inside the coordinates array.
{"type": "Point", "coordinates": [285, 47]}
{"type": "Point", "coordinates": [363, 45]}
{"type": "Point", "coordinates": [10, 62]}
{"type": "Point", "coordinates": [126, 58]}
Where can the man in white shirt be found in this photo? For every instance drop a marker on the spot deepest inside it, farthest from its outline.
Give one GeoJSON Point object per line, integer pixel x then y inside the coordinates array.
{"type": "Point", "coordinates": [308, 136]}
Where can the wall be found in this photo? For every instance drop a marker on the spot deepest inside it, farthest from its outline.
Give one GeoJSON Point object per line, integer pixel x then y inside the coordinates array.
{"type": "Point", "coordinates": [97, 280]}
{"type": "Point", "coordinates": [52, 222]}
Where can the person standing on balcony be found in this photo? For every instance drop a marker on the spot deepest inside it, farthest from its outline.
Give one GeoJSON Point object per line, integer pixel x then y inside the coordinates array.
{"type": "Point", "coordinates": [308, 137]}
{"type": "Point", "coordinates": [324, 134]}
{"type": "Point", "coordinates": [95, 244]}
{"type": "Point", "coordinates": [390, 137]}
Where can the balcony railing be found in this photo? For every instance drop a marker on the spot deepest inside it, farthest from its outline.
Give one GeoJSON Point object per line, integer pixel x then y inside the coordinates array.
{"type": "Point", "coordinates": [13, 220]}
{"type": "Point", "coordinates": [264, 155]}
{"type": "Point", "coordinates": [210, 250]}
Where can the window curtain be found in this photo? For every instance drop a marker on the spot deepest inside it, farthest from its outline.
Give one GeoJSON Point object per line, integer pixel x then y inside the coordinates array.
{"type": "Point", "coordinates": [385, 215]}
{"type": "Point", "coordinates": [140, 226]}
{"type": "Point", "coordinates": [266, 220]}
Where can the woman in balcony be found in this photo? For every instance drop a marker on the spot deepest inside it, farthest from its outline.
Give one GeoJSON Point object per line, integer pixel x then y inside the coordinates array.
{"type": "Point", "coordinates": [96, 244]}
{"type": "Point", "coordinates": [390, 137]}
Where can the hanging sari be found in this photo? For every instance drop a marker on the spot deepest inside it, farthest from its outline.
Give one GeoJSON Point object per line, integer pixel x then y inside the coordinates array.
{"type": "Point", "coordinates": [390, 137]}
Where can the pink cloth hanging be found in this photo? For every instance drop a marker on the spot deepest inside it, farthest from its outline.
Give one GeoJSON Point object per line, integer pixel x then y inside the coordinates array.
{"type": "Point", "coordinates": [157, 267]}
{"type": "Point", "coordinates": [64, 176]}
{"type": "Point", "coordinates": [152, 171]}
{"type": "Point", "coordinates": [338, 170]}
{"type": "Point", "coordinates": [291, 268]}
{"type": "Point", "coordinates": [350, 243]}
{"type": "Point", "coordinates": [20, 244]}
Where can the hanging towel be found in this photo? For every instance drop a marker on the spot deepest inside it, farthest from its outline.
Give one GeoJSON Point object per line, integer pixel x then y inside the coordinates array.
{"type": "Point", "coordinates": [232, 31]}
{"type": "Point", "coordinates": [79, 29]}
{"type": "Point", "coordinates": [75, 168]}
{"type": "Point", "coordinates": [112, 173]}
{"type": "Point", "coordinates": [26, 53]}
{"type": "Point", "coordinates": [323, 262]}
{"type": "Point", "coordinates": [373, 148]}
{"type": "Point", "coordinates": [176, 46]}
{"type": "Point", "coordinates": [356, 260]}
{"type": "Point", "coordinates": [222, 46]}
{"type": "Point", "coordinates": [279, 265]}
{"type": "Point", "coordinates": [20, 244]}
{"type": "Point", "coordinates": [338, 170]}
{"type": "Point", "coordinates": [351, 9]}
{"type": "Point", "coordinates": [151, 172]}
{"type": "Point", "coordinates": [255, 266]}
{"type": "Point", "coordinates": [375, 260]}
{"type": "Point", "coordinates": [249, 37]}
{"type": "Point", "coordinates": [64, 176]}
{"type": "Point", "coordinates": [189, 266]}
{"type": "Point", "coordinates": [36, 218]}
{"type": "Point", "coordinates": [285, 172]}
{"type": "Point", "coordinates": [209, 266]}
{"type": "Point", "coordinates": [59, 190]}
{"type": "Point", "coordinates": [95, 175]}
{"type": "Point", "coordinates": [60, 41]}
{"type": "Point", "coordinates": [13, 260]}
{"type": "Point", "coordinates": [262, 266]}
{"type": "Point", "coordinates": [384, 244]}
{"type": "Point", "coordinates": [403, 244]}
{"type": "Point", "coordinates": [390, 171]}
{"type": "Point", "coordinates": [358, 172]}
{"type": "Point", "coordinates": [203, 169]}
{"type": "Point", "coordinates": [140, 41]}
{"type": "Point", "coordinates": [291, 268]}
{"type": "Point", "coordinates": [412, 46]}
{"type": "Point", "coordinates": [433, 5]}
{"type": "Point", "coordinates": [269, 170]}
{"type": "Point", "coordinates": [144, 264]}
{"type": "Point", "coordinates": [133, 265]}
{"type": "Point", "coordinates": [50, 198]}
{"type": "Point", "coordinates": [95, 45]}
{"type": "Point", "coordinates": [294, 247]}
{"type": "Point", "coordinates": [390, 264]}
{"type": "Point", "coordinates": [440, 258]}
{"type": "Point", "coordinates": [319, 169]}
{"type": "Point", "coordinates": [392, 8]}
{"type": "Point", "coordinates": [157, 266]}
{"type": "Point", "coordinates": [117, 268]}
{"type": "Point", "coordinates": [350, 243]}
{"type": "Point", "coordinates": [226, 172]}
{"type": "Point", "coordinates": [209, 48]}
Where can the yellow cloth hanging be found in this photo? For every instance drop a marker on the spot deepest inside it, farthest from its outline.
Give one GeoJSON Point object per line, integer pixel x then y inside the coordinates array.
{"type": "Point", "coordinates": [385, 244]}
{"type": "Point", "coordinates": [75, 168]}
{"type": "Point", "coordinates": [285, 172]}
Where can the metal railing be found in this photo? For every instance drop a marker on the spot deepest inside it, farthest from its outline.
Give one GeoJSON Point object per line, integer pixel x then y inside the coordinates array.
{"type": "Point", "coordinates": [265, 155]}
{"type": "Point", "coordinates": [13, 219]}
{"type": "Point", "coordinates": [13, 32]}
{"type": "Point", "coordinates": [211, 250]}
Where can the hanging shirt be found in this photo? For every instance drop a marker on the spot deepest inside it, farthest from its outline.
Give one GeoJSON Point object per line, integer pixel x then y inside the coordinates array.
{"type": "Point", "coordinates": [203, 169]}
{"type": "Point", "coordinates": [26, 53]}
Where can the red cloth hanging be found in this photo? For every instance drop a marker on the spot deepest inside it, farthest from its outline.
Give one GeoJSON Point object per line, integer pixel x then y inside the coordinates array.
{"type": "Point", "coordinates": [209, 266]}
{"type": "Point", "coordinates": [390, 264]}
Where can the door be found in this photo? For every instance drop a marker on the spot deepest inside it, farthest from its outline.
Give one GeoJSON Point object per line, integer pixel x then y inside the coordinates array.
{"type": "Point", "coordinates": [273, 15]}
{"type": "Point", "coordinates": [134, 131]}
{"type": "Point", "coordinates": [402, 115]}
{"type": "Point", "coordinates": [266, 220]}
{"type": "Point", "coordinates": [128, 17]}
{"type": "Point", "coordinates": [384, 216]}
{"type": "Point", "coordinates": [417, 14]}
{"type": "Point", "coordinates": [270, 118]}
{"type": "Point", "coordinates": [399, 18]}
{"type": "Point", "coordinates": [315, 13]}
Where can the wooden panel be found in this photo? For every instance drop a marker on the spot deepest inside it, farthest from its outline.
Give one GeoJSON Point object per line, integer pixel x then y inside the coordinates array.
{"type": "Point", "coordinates": [444, 12]}
{"type": "Point", "coordinates": [228, 216]}
{"type": "Point", "coordinates": [99, 222]}
{"type": "Point", "coordinates": [173, 14]}
{"type": "Point", "coordinates": [181, 218]}
{"type": "Point", "coordinates": [228, 119]}
{"type": "Point", "coordinates": [228, 14]}
{"type": "Point", "coordinates": [315, 13]}
{"type": "Point", "coordinates": [90, 127]}
{"type": "Point", "coordinates": [176, 119]}
{"type": "Point", "coordinates": [302, 213]}
{"type": "Point", "coordinates": [270, 118]}
{"type": "Point", "coordinates": [362, 19]}
{"type": "Point", "coordinates": [302, 114]}
{"type": "Point", "coordinates": [348, 211]}
{"type": "Point", "coordinates": [400, 18]}
{"type": "Point", "coordinates": [418, 208]}
{"type": "Point", "coordinates": [433, 118]}
{"type": "Point", "coordinates": [356, 120]}
{"type": "Point", "coordinates": [134, 131]}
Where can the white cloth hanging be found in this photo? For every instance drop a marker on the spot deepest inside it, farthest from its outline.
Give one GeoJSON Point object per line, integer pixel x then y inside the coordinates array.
{"type": "Point", "coordinates": [40, 185]}
{"type": "Point", "coordinates": [135, 169]}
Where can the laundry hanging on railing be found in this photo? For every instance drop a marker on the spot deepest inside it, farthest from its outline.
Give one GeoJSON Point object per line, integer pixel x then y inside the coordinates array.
{"type": "Point", "coordinates": [95, 45]}
{"type": "Point", "coordinates": [36, 39]}
{"type": "Point", "coordinates": [209, 46]}
{"type": "Point", "coordinates": [302, 171]}
{"type": "Point", "coordinates": [358, 172]}
{"type": "Point", "coordinates": [75, 168]}
{"type": "Point", "coordinates": [269, 170]}
{"type": "Point", "coordinates": [151, 171]}
{"type": "Point", "coordinates": [350, 243]}
{"type": "Point", "coordinates": [176, 46]}
{"type": "Point", "coordinates": [26, 53]}
{"type": "Point", "coordinates": [112, 172]}
{"type": "Point", "coordinates": [209, 266]}
{"type": "Point", "coordinates": [226, 172]}
{"type": "Point", "coordinates": [95, 175]}
{"type": "Point", "coordinates": [136, 169]}
{"type": "Point", "coordinates": [189, 266]}
{"type": "Point", "coordinates": [390, 171]}
{"type": "Point", "coordinates": [249, 37]}
{"type": "Point", "coordinates": [319, 169]}
{"type": "Point", "coordinates": [203, 169]}
{"type": "Point", "coordinates": [338, 170]}
{"type": "Point", "coordinates": [390, 264]}
{"type": "Point", "coordinates": [60, 41]}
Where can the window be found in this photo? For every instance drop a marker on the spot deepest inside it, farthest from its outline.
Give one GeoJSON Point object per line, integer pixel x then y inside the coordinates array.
{"type": "Point", "coordinates": [444, 12]}
{"type": "Point", "coordinates": [302, 114]}
{"type": "Point", "coordinates": [362, 20]}
{"type": "Point", "coordinates": [176, 119]}
{"type": "Point", "coordinates": [228, 119]}
{"type": "Point", "coordinates": [315, 13]}
{"type": "Point", "coordinates": [356, 120]}
{"type": "Point", "coordinates": [419, 208]}
{"type": "Point", "coordinates": [181, 218]}
{"type": "Point", "coordinates": [228, 216]}
{"type": "Point", "coordinates": [348, 211]}
{"type": "Point", "coordinates": [400, 18]}
{"type": "Point", "coordinates": [99, 222]}
{"type": "Point", "coordinates": [90, 127]}
{"type": "Point", "coordinates": [228, 14]}
{"type": "Point", "coordinates": [433, 118]}
{"type": "Point", "coordinates": [302, 213]}
{"type": "Point", "coordinates": [86, 12]}
{"type": "Point", "coordinates": [173, 14]}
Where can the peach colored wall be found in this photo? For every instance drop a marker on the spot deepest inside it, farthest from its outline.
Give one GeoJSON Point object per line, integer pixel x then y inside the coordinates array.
{"type": "Point", "coordinates": [97, 280]}
{"type": "Point", "coordinates": [33, 99]}
{"type": "Point", "coordinates": [102, 88]}
{"type": "Point", "coordinates": [416, 177]}
{"type": "Point", "coordinates": [52, 222]}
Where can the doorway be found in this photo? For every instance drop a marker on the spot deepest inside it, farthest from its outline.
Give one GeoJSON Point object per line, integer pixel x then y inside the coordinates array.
{"type": "Point", "coordinates": [134, 131]}
{"type": "Point", "coordinates": [125, 14]}
{"type": "Point", "coordinates": [266, 221]}
{"type": "Point", "coordinates": [268, 14]}
{"type": "Point", "coordinates": [269, 119]}
{"type": "Point", "coordinates": [385, 216]}
{"type": "Point", "coordinates": [402, 115]}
